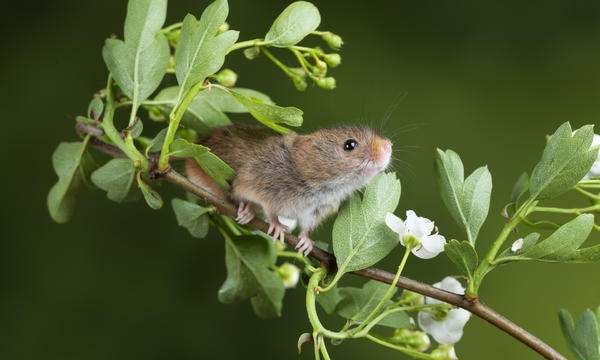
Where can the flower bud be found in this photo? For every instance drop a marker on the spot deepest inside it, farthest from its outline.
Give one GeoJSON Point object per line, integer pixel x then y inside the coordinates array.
{"type": "Point", "coordinates": [334, 41]}
{"type": "Point", "coordinates": [155, 114]}
{"type": "Point", "coordinates": [332, 60]}
{"type": "Point", "coordinates": [321, 67]}
{"type": "Point", "coordinates": [252, 53]}
{"type": "Point", "coordinates": [413, 339]}
{"type": "Point", "coordinates": [409, 298]}
{"type": "Point", "coordinates": [173, 37]}
{"type": "Point", "coordinates": [299, 83]}
{"type": "Point", "coordinates": [224, 27]}
{"type": "Point", "coordinates": [226, 77]}
{"type": "Point", "coordinates": [290, 274]}
{"type": "Point", "coordinates": [327, 83]}
{"type": "Point", "coordinates": [444, 352]}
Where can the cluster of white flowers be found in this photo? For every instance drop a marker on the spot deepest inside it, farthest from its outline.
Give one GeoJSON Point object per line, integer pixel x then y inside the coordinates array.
{"type": "Point", "coordinates": [595, 170]}
{"type": "Point", "coordinates": [420, 233]}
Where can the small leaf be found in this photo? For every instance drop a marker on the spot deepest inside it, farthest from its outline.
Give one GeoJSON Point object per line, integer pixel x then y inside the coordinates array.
{"type": "Point", "coordinates": [137, 129]}
{"type": "Point", "coordinates": [463, 255]}
{"type": "Point", "coordinates": [586, 255]}
{"type": "Point", "coordinates": [528, 242]}
{"type": "Point", "coordinates": [567, 158]}
{"type": "Point", "coordinates": [73, 165]}
{"type": "Point", "coordinates": [520, 189]}
{"type": "Point", "coordinates": [191, 216]}
{"type": "Point", "coordinates": [297, 21]}
{"type": "Point", "coordinates": [116, 178]}
{"type": "Point", "coordinates": [268, 114]}
{"type": "Point", "coordinates": [563, 243]}
{"type": "Point", "coordinates": [207, 110]}
{"type": "Point", "coordinates": [329, 300]}
{"type": "Point", "coordinates": [249, 276]}
{"type": "Point", "coordinates": [582, 337]}
{"type": "Point", "coordinates": [468, 200]}
{"type": "Point", "coordinates": [157, 143]}
{"type": "Point", "coordinates": [209, 162]}
{"type": "Point", "coordinates": [358, 303]}
{"type": "Point", "coordinates": [95, 108]}
{"type": "Point", "coordinates": [139, 63]}
{"type": "Point", "coordinates": [152, 198]}
{"type": "Point", "coordinates": [360, 236]}
{"type": "Point", "coordinates": [201, 52]}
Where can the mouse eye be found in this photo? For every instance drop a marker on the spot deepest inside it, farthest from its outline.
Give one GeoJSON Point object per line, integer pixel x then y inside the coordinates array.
{"type": "Point", "coordinates": [350, 145]}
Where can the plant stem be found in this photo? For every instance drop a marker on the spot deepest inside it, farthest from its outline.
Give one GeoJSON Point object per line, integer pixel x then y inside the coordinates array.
{"type": "Point", "coordinates": [576, 211]}
{"type": "Point", "coordinates": [172, 27]}
{"type": "Point", "coordinates": [410, 352]}
{"type": "Point", "coordinates": [311, 308]}
{"type": "Point", "coordinates": [246, 44]}
{"type": "Point", "coordinates": [174, 120]}
{"type": "Point", "coordinates": [279, 64]}
{"type": "Point", "coordinates": [111, 132]}
{"type": "Point", "coordinates": [390, 291]}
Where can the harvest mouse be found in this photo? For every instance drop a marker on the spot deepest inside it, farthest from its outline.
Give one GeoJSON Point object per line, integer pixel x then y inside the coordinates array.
{"type": "Point", "coordinates": [301, 177]}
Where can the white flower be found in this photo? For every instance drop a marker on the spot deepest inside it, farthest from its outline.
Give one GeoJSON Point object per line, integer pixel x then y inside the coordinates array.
{"type": "Point", "coordinates": [290, 274]}
{"type": "Point", "coordinates": [517, 245]}
{"type": "Point", "coordinates": [449, 329]}
{"type": "Point", "coordinates": [595, 170]}
{"type": "Point", "coordinates": [420, 229]}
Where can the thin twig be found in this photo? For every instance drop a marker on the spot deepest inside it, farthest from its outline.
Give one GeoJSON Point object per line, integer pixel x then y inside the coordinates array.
{"type": "Point", "coordinates": [475, 306]}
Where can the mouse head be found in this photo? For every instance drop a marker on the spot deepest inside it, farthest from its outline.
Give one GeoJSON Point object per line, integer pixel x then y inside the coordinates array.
{"type": "Point", "coordinates": [349, 153]}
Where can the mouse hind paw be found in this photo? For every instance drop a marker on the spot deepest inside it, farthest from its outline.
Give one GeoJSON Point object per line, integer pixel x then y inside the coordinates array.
{"type": "Point", "coordinates": [277, 230]}
{"type": "Point", "coordinates": [305, 245]}
{"type": "Point", "coordinates": [245, 213]}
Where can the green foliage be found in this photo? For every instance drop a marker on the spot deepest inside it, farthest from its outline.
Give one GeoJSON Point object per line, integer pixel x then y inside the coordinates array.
{"type": "Point", "coordinates": [208, 109]}
{"type": "Point", "coordinates": [463, 255]}
{"type": "Point", "coordinates": [520, 189]}
{"type": "Point", "coordinates": [568, 156]}
{"type": "Point", "coordinates": [295, 22]}
{"type": "Point", "coordinates": [468, 200]}
{"type": "Point", "coordinates": [249, 260]}
{"type": "Point", "coordinates": [357, 303]}
{"type": "Point", "coordinates": [116, 178]}
{"type": "Point", "coordinates": [583, 336]}
{"type": "Point", "coordinates": [360, 235]}
{"type": "Point", "coordinates": [73, 165]}
{"type": "Point", "coordinates": [201, 50]}
{"type": "Point", "coordinates": [209, 162]}
{"type": "Point", "coordinates": [139, 63]}
{"type": "Point", "coordinates": [153, 198]}
{"type": "Point", "coordinates": [191, 216]}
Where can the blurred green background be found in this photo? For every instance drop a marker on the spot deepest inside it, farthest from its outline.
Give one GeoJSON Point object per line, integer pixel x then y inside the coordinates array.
{"type": "Point", "coordinates": [488, 79]}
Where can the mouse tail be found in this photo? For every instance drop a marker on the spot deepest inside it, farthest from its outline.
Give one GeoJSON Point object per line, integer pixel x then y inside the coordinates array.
{"type": "Point", "coordinates": [200, 178]}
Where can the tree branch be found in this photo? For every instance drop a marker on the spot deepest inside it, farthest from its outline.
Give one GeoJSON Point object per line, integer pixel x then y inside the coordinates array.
{"type": "Point", "coordinates": [475, 306]}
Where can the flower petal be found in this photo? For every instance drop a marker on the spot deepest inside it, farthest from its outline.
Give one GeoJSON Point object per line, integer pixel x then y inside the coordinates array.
{"type": "Point", "coordinates": [450, 284]}
{"type": "Point", "coordinates": [423, 253]}
{"type": "Point", "coordinates": [434, 243]}
{"type": "Point", "coordinates": [418, 226]}
{"type": "Point", "coordinates": [395, 224]}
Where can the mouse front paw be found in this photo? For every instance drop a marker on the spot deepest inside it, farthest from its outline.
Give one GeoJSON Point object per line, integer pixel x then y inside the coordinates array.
{"type": "Point", "coordinates": [245, 214]}
{"type": "Point", "coordinates": [305, 245]}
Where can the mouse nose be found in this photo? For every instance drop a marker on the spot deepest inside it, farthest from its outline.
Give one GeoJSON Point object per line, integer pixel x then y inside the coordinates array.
{"type": "Point", "coordinates": [383, 151]}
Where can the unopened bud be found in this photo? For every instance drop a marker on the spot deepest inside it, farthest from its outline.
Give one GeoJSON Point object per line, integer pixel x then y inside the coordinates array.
{"type": "Point", "coordinates": [290, 274]}
{"type": "Point", "coordinates": [226, 77]}
{"type": "Point", "coordinates": [444, 352]}
{"type": "Point", "coordinates": [332, 60]}
{"type": "Point", "coordinates": [416, 340]}
{"type": "Point", "coordinates": [327, 83]}
{"type": "Point", "coordinates": [252, 53]}
{"type": "Point", "coordinates": [409, 298]}
{"type": "Point", "coordinates": [299, 83]}
{"type": "Point", "coordinates": [334, 41]}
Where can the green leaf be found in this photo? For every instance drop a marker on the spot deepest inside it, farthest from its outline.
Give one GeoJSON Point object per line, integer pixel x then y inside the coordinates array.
{"type": "Point", "coordinates": [520, 189]}
{"type": "Point", "coordinates": [568, 156]}
{"type": "Point", "coordinates": [116, 178]}
{"type": "Point", "coordinates": [528, 242]}
{"type": "Point", "coordinates": [73, 165]}
{"type": "Point", "coordinates": [209, 162]}
{"type": "Point", "coordinates": [95, 108]}
{"type": "Point", "coordinates": [586, 255]}
{"type": "Point", "coordinates": [463, 255]}
{"type": "Point", "coordinates": [152, 197]}
{"type": "Point", "coordinates": [563, 243]}
{"type": "Point", "coordinates": [269, 114]}
{"type": "Point", "coordinates": [357, 304]}
{"type": "Point", "coordinates": [583, 336]}
{"type": "Point", "coordinates": [157, 143]}
{"type": "Point", "coordinates": [360, 235]}
{"type": "Point", "coordinates": [249, 276]}
{"type": "Point", "coordinates": [329, 300]}
{"type": "Point", "coordinates": [297, 21]}
{"type": "Point", "coordinates": [201, 52]}
{"type": "Point", "coordinates": [467, 200]}
{"type": "Point", "coordinates": [191, 216]}
{"type": "Point", "coordinates": [139, 63]}
{"type": "Point", "coordinates": [207, 110]}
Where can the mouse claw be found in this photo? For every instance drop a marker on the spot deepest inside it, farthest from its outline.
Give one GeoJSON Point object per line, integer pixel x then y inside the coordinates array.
{"type": "Point", "coordinates": [245, 214]}
{"type": "Point", "coordinates": [305, 245]}
{"type": "Point", "coordinates": [277, 230]}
